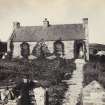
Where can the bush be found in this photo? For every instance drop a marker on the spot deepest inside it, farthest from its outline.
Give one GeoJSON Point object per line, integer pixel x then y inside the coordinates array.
{"type": "Point", "coordinates": [49, 73]}
{"type": "Point", "coordinates": [94, 71]}
{"type": "Point", "coordinates": [41, 50]}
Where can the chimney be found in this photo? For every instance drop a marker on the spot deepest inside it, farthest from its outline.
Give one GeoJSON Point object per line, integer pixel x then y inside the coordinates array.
{"type": "Point", "coordinates": [85, 25]}
{"type": "Point", "coordinates": [16, 25]}
{"type": "Point", "coordinates": [45, 22]}
{"type": "Point", "coordinates": [85, 21]}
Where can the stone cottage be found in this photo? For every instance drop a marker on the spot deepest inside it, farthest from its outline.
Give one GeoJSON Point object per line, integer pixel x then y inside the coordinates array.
{"type": "Point", "coordinates": [73, 38]}
{"type": "Point", "coordinates": [94, 94]}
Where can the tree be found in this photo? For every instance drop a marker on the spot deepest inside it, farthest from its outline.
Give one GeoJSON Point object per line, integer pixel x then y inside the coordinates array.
{"type": "Point", "coordinates": [41, 50]}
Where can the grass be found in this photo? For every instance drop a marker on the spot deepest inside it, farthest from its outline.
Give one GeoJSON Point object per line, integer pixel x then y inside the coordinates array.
{"type": "Point", "coordinates": [49, 73]}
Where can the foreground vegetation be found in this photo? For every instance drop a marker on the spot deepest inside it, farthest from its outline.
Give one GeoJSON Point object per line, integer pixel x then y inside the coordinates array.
{"type": "Point", "coordinates": [95, 70]}
{"type": "Point", "coordinates": [49, 73]}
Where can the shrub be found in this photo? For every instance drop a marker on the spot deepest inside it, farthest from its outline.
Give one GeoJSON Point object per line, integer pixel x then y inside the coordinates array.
{"type": "Point", "coordinates": [25, 50]}
{"type": "Point", "coordinates": [49, 73]}
{"type": "Point", "coordinates": [94, 71]}
{"type": "Point", "coordinates": [41, 50]}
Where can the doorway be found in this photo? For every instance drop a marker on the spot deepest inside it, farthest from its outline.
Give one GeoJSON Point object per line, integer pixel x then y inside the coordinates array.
{"type": "Point", "coordinates": [79, 49]}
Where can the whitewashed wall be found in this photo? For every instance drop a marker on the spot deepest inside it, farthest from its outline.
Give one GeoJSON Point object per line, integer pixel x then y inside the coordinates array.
{"type": "Point", "coordinates": [17, 49]}
{"type": "Point", "coordinates": [68, 47]}
{"type": "Point", "coordinates": [50, 45]}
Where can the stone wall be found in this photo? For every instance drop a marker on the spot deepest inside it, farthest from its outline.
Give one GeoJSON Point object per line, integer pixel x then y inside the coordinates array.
{"type": "Point", "coordinates": [69, 49]}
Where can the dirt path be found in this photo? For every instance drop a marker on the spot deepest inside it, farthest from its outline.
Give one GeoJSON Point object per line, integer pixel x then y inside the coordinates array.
{"type": "Point", "coordinates": [75, 84]}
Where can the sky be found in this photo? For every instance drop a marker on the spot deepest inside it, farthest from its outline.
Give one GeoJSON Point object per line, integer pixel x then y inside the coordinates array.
{"type": "Point", "coordinates": [33, 12]}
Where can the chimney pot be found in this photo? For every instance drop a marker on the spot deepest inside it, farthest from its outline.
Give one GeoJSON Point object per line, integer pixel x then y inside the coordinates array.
{"type": "Point", "coordinates": [85, 20]}
{"type": "Point", "coordinates": [45, 22]}
{"type": "Point", "coordinates": [16, 25]}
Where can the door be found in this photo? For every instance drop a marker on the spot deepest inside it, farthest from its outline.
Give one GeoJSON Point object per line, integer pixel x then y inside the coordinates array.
{"type": "Point", "coordinates": [79, 49]}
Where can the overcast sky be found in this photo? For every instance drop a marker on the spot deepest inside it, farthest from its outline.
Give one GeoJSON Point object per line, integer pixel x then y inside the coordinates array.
{"type": "Point", "coordinates": [32, 12]}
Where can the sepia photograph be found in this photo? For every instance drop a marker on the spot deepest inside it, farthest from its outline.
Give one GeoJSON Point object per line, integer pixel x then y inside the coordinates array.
{"type": "Point", "coordinates": [52, 52]}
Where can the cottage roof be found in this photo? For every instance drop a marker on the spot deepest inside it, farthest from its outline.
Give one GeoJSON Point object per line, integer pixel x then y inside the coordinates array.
{"type": "Point", "coordinates": [50, 33]}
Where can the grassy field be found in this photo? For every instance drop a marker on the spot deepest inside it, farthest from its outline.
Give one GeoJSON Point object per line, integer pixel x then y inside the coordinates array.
{"type": "Point", "coordinates": [49, 73]}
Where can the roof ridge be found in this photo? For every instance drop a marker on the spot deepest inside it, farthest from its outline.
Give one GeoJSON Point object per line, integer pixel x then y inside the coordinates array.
{"type": "Point", "coordinates": [54, 25]}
